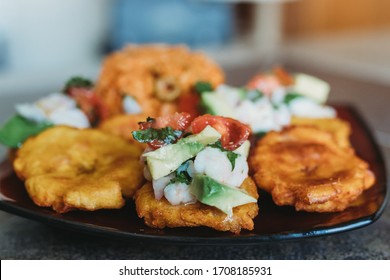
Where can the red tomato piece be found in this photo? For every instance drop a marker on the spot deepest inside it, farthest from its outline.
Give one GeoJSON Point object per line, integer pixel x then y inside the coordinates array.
{"type": "Point", "coordinates": [90, 103]}
{"type": "Point", "coordinates": [264, 83]}
{"type": "Point", "coordinates": [283, 76]}
{"type": "Point", "coordinates": [178, 121]}
{"type": "Point", "coordinates": [156, 144]}
{"type": "Point", "coordinates": [189, 103]}
{"type": "Point", "coordinates": [233, 132]}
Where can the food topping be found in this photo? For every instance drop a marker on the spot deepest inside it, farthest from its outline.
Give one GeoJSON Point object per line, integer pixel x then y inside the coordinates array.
{"type": "Point", "coordinates": [234, 133]}
{"type": "Point", "coordinates": [77, 82]}
{"type": "Point", "coordinates": [216, 153]}
{"type": "Point", "coordinates": [215, 164]}
{"type": "Point", "coordinates": [210, 192]}
{"type": "Point", "coordinates": [130, 105]}
{"type": "Point", "coordinates": [163, 130]}
{"type": "Point", "coordinates": [270, 100]}
{"type": "Point", "coordinates": [230, 155]}
{"type": "Point", "coordinates": [157, 138]}
{"type": "Point", "coordinates": [57, 108]}
{"type": "Point", "coordinates": [88, 101]}
{"type": "Point", "coordinates": [178, 121]}
{"type": "Point", "coordinates": [201, 87]}
{"type": "Point", "coordinates": [17, 129]}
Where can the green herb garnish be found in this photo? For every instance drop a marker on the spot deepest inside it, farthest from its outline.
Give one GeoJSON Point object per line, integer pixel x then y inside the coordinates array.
{"type": "Point", "coordinates": [150, 119]}
{"type": "Point", "coordinates": [260, 134]}
{"type": "Point", "coordinates": [167, 135]}
{"type": "Point", "coordinates": [232, 156]}
{"type": "Point", "coordinates": [291, 96]}
{"type": "Point", "coordinates": [17, 129]}
{"type": "Point", "coordinates": [182, 175]}
{"type": "Point", "coordinates": [201, 87]}
{"type": "Point", "coordinates": [78, 82]}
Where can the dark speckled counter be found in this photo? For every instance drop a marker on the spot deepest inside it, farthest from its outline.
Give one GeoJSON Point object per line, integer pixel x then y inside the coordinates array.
{"type": "Point", "coordinates": [21, 238]}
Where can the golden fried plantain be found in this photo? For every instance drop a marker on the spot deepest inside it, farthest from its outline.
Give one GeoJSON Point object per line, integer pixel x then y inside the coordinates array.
{"type": "Point", "coordinates": [160, 213]}
{"type": "Point", "coordinates": [304, 167]}
{"type": "Point", "coordinates": [340, 129]}
{"type": "Point", "coordinates": [67, 168]}
{"type": "Point", "coordinates": [123, 126]}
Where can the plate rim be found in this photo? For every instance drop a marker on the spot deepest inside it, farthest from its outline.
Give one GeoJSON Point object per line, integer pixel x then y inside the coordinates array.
{"type": "Point", "coordinates": [175, 239]}
{"type": "Point", "coordinates": [228, 240]}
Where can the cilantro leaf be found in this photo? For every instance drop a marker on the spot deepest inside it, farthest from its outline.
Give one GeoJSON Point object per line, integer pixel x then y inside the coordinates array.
{"type": "Point", "coordinates": [150, 119]}
{"type": "Point", "coordinates": [167, 135]}
{"type": "Point", "coordinates": [201, 87]}
{"type": "Point", "coordinates": [78, 82]}
{"type": "Point", "coordinates": [182, 175]}
{"type": "Point", "coordinates": [260, 134]}
{"type": "Point", "coordinates": [232, 156]}
{"type": "Point", "coordinates": [291, 96]}
{"type": "Point", "coordinates": [217, 145]}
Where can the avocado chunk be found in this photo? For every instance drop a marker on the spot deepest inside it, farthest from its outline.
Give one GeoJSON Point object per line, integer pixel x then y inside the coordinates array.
{"type": "Point", "coordinates": [167, 159]}
{"type": "Point", "coordinates": [210, 192]}
{"type": "Point", "coordinates": [215, 105]}
{"type": "Point", "coordinates": [311, 87]}
{"type": "Point", "coordinates": [243, 149]}
{"type": "Point", "coordinates": [208, 135]}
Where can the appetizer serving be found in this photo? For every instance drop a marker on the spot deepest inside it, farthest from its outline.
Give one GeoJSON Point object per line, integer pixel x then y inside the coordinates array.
{"type": "Point", "coordinates": [76, 106]}
{"type": "Point", "coordinates": [197, 173]}
{"type": "Point", "coordinates": [270, 101]}
{"type": "Point", "coordinates": [67, 168]}
{"type": "Point", "coordinates": [305, 167]}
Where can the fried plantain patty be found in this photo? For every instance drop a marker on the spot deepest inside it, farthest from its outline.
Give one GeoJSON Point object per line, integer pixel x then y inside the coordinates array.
{"type": "Point", "coordinates": [306, 168]}
{"type": "Point", "coordinates": [67, 168]}
{"type": "Point", "coordinates": [340, 129]}
{"type": "Point", "coordinates": [160, 213]}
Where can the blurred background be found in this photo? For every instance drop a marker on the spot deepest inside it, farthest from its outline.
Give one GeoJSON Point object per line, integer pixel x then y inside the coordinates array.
{"type": "Point", "coordinates": [43, 42]}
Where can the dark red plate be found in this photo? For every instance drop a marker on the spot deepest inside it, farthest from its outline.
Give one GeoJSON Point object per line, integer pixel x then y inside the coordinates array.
{"type": "Point", "coordinates": [272, 223]}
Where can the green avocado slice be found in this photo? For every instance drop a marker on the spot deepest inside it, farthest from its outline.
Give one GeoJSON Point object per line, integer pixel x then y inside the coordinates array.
{"type": "Point", "coordinates": [167, 159]}
{"type": "Point", "coordinates": [215, 105]}
{"type": "Point", "coordinates": [225, 198]}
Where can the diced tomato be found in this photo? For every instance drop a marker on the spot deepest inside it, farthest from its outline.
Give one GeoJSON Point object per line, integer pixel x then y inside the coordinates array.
{"type": "Point", "coordinates": [267, 83]}
{"type": "Point", "coordinates": [264, 83]}
{"type": "Point", "coordinates": [156, 144]}
{"type": "Point", "coordinates": [189, 103]}
{"type": "Point", "coordinates": [283, 76]}
{"type": "Point", "coordinates": [178, 121]}
{"type": "Point", "coordinates": [233, 132]}
{"type": "Point", "coordinates": [90, 103]}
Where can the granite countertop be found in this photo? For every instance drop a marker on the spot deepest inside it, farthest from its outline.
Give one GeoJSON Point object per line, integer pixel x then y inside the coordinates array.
{"type": "Point", "coordinates": [21, 238]}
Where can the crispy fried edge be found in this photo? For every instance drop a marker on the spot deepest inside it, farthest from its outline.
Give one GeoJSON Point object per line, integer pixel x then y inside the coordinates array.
{"type": "Point", "coordinates": [69, 198]}
{"type": "Point", "coordinates": [340, 129]}
{"type": "Point", "coordinates": [365, 180]}
{"type": "Point", "coordinates": [160, 213]}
